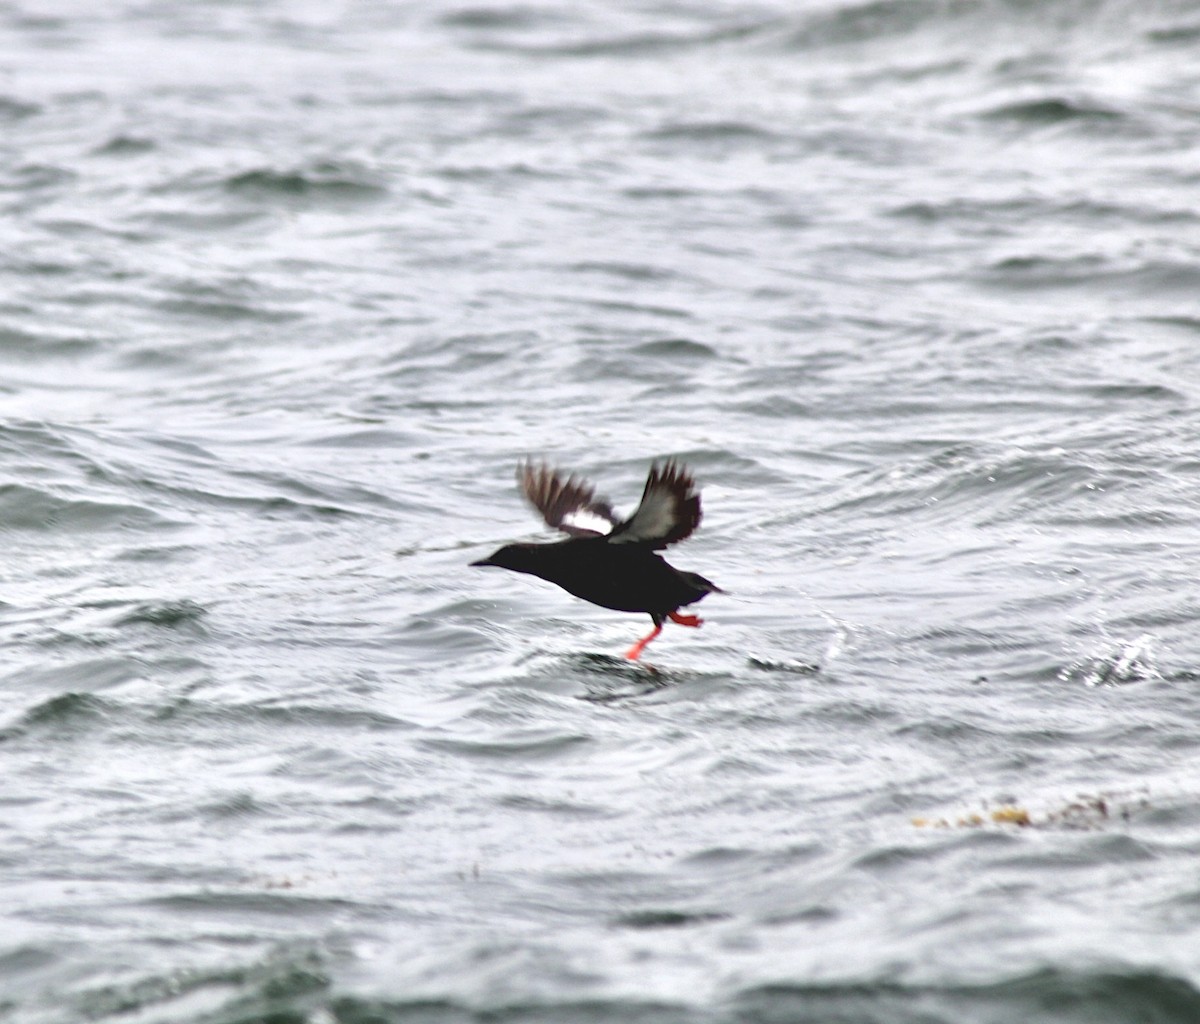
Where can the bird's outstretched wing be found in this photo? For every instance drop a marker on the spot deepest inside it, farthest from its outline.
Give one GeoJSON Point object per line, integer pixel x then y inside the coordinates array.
{"type": "Point", "coordinates": [569, 505]}
{"type": "Point", "coordinates": [669, 510]}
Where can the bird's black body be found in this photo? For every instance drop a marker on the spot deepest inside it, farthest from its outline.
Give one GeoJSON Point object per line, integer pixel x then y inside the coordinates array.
{"type": "Point", "coordinates": [618, 569]}
{"type": "Point", "coordinates": [623, 577]}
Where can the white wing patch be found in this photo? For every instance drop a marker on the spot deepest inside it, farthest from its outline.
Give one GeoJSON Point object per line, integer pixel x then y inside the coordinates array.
{"type": "Point", "coordinates": [569, 505]}
{"type": "Point", "coordinates": [585, 519]}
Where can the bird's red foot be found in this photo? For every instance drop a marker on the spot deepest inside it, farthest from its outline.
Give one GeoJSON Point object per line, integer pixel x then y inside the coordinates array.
{"type": "Point", "coordinates": [635, 651]}
{"type": "Point", "coordinates": [686, 620]}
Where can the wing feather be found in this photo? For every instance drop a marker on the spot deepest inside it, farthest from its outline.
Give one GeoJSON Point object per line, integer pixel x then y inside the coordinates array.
{"type": "Point", "coordinates": [569, 505]}
{"type": "Point", "coordinates": [669, 510]}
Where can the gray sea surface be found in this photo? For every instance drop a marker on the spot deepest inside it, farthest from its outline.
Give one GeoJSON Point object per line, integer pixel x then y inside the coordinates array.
{"type": "Point", "coordinates": [288, 288]}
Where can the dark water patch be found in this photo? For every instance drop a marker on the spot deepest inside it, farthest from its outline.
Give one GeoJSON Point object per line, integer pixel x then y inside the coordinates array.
{"type": "Point", "coordinates": [852, 712]}
{"type": "Point", "coordinates": [774, 407]}
{"type": "Point", "coordinates": [733, 767]}
{"type": "Point", "coordinates": [566, 809]}
{"type": "Point", "coordinates": [812, 914]}
{"type": "Point", "coordinates": [17, 110]}
{"type": "Point", "coordinates": [718, 858]}
{"type": "Point", "coordinates": [997, 486]}
{"type": "Point", "coordinates": [182, 615]}
{"type": "Point", "coordinates": [18, 343]}
{"type": "Point", "coordinates": [69, 714]}
{"type": "Point", "coordinates": [868, 149]}
{"type": "Point", "coordinates": [1129, 392]}
{"type": "Point", "coordinates": [885, 859]}
{"type": "Point", "coordinates": [1181, 34]}
{"type": "Point", "coordinates": [1053, 110]}
{"type": "Point", "coordinates": [710, 132]}
{"type": "Point", "coordinates": [17, 959]}
{"type": "Point", "coordinates": [665, 193]}
{"type": "Point", "coordinates": [329, 497]}
{"type": "Point", "coordinates": [1017, 483]}
{"type": "Point", "coordinates": [1134, 278]}
{"type": "Point", "coordinates": [457, 352]}
{"type": "Point", "coordinates": [987, 217]}
{"type": "Point", "coordinates": [636, 44]}
{"type": "Point", "coordinates": [863, 22]}
{"type": "Point", "coordinates": [222, 310]}
{"type": "Point", "coordinates": [1091, 848]}
{"type": "Point", "coordinates": [1059, 995]}
{"type": "Point", "coordinates": [84, 676]}
{"type": "Point", "coordinates": [40, 511]}
{"type": "Point", "coordinates": [188, 219]}
{"type": "Point", "coordinates": [247, 294]}
{"type": "Point", "coordinates": [611, 679]}
{"type": "Point", "coordinates": [667, 685]}
{"type": "Point", "coordinates": [660, 362]}
{"type": "Point", "coordinates": [327, 182]}
{"type": "Point", "coordinates": [287, 988]}
{"type": "Point", "coordinates": [606, 678]}
{"type": "Point", "coordinates": [33, 178]}
{"type": "Point", "coordinates": [441, 97]}
{"type": "Point", "coordinates": [624, 270]}
{"type": "Point", "coordinates": [279, 902]}
{"type": "Point", "coordinates": [354, 1010]}
{"type": "Point", "coordinates": [498, 174]}
{"type": "Point", "coordinates": [791, 668]}
{"type": "Point", "coordinates": [862, 1003]}
{"type": "Point", "coordinates": [44, 266]}
{"type": "Point", "coordinates": [972, 645]}
{"type": "Point", "coordinates": [1184, 324]}
{"type": "Point", "coordinates": [919, 70]}
{"type": "Point", "coordinates": [550, 119]}
{"type": "Point", "coordinates": [1182, 276]}
{"type": "Point", "coordinates": [435, 633]}
{"type": "Point", "coordinates": [366, 438]}
{"type": "Point", "coordinates": [1094, 212]}
{"type": "Point", "coordinates": [77, 230]}
{"type": "Point", "coordinates": [375, 815]}
{"type": "Point", "coordinates": [675, 349]}
{"type": "Point", "coordinates": [125, 145]}
{"type": "Point", "coordinates": [605, 880]}
{"type": "Point", "coordinates": [649, 920]}
{"type": "Point", "coordinates": [511, 16]}
{"type": "Point", "coordinates": [519, 746]}
{"type": "Point", "coordinates": [312, 716]}
{"type": "Point", "coordinates": [186, 476]}
{"type": "Point", "coordinates": [276, 507]}
{"type": "Point", "coordinates": [983, 215]}
{"type": "Point", "coordinates": [956, 731]}
{"type": "Point", "coordinates": [231, 806]}
{"type": "Point", "coordinates": [1045, 271]}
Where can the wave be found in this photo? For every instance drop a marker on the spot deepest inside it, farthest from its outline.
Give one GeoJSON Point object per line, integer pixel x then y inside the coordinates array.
{"type": "Point", "coordinates": [302, 985]}
{"type": "Point", "coordinates": [321, 182]}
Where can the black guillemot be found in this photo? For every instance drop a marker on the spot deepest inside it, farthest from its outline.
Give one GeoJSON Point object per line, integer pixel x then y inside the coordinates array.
{"type": "Point", "coordinates": [609, 561]}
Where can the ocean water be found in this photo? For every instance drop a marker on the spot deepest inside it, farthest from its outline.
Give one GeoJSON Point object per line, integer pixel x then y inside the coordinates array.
{"type": "Point", "coordinates": [286, 291]}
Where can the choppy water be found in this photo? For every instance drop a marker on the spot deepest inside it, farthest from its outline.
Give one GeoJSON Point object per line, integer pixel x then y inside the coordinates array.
{"type": "Point", "coordinates": [287, 288]}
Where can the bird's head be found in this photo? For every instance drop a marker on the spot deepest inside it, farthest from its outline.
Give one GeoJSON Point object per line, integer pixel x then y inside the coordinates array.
{"type": "Point", "coordinates": [517, 557]}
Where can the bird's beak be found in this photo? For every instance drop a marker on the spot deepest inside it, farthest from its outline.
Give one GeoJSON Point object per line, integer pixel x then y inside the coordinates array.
{"type": "Point", "coordinates": [484, 561]}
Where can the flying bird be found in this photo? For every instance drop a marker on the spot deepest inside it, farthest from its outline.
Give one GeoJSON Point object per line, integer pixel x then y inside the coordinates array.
{"type": "Point", "coordinates": [609, 561]}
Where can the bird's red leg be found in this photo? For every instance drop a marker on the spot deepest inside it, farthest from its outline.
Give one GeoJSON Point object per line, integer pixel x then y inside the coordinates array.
{"type": "Point", "coordinates": [685, 620]}
{"type": "Point", "coordinates": [635, 651]}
